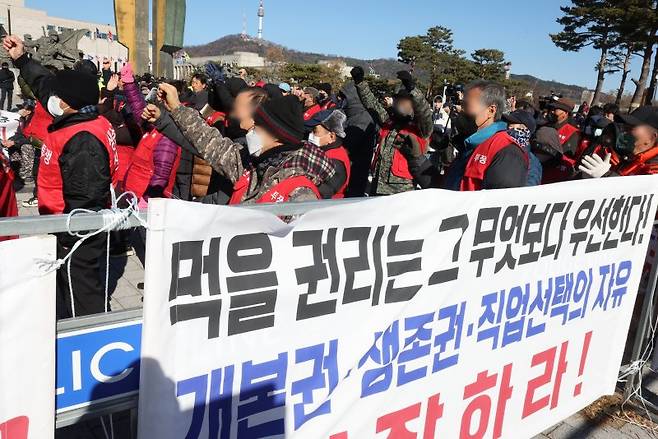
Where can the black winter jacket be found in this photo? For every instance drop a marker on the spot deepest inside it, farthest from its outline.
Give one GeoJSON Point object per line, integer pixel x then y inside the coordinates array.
{"type": "Point", "coordinates": [84, 163]}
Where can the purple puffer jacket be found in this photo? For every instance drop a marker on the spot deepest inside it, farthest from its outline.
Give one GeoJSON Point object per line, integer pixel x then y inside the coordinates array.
{"type": "Point", "coordinates": [164, 155]}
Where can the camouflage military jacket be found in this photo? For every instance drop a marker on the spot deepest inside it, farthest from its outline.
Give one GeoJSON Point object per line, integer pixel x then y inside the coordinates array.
{"type": "Point", "coordinates": [384, 182]}
{"type": "Point", "coordinates": [276, 165]}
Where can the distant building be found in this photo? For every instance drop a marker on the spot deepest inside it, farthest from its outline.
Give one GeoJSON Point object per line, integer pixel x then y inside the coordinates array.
{"type": "Point", "coordinates": [19, 20]}
{"type": "Point", "coordinates": [241, 59]}
{"type": "Point", "coordinates": [342, 67]}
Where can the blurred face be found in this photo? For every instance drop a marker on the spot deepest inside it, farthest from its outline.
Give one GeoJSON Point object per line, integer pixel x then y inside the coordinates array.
{"type": "Point", "coordinates": [404, 107]}
{"type": "Point", "coordinates": [560, 115]}
{"type": "Point", "coordinates": [242, 73]}
{"type": "Point", "coordinates": [646, 137]}
{"type": "Point", "coordinates": [438, 105]}
{"type": "Point", "coordinates": [308, 100]}
{"type": "Point", "coordinates": [243, 110]}
{"type": "Point", "coordinates": [25, 112]}
{"type": "Point", "coordinates": [482, 114]}
{"type": "Point", "coordinates": [197, 85]}
{"type": "Point", "coordinates": [297, 91]}
{"type": "Point", "coordinates": [324, 136]}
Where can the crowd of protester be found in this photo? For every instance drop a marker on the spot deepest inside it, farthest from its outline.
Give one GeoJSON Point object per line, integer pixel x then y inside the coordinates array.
{"type": "Point", "coordinates": [230, 139]}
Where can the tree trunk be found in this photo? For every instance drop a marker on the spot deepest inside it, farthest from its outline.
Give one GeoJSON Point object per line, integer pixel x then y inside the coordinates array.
{"type": "Point", "coordinates": [641, 84]}
{"type": "Point", "coordinates": [601, 75]}
{"type": "Point", "coordinates": [651, 91]}
{"type": "Point", "coordinates": [624, 76]}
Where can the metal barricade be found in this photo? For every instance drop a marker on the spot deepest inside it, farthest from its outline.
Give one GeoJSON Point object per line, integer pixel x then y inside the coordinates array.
{"type": "Point", "coordinates": [76, 401]}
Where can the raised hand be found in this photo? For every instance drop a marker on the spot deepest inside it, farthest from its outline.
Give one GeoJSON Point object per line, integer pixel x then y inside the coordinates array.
{"type": "Point", "coordinates": [14, 46]}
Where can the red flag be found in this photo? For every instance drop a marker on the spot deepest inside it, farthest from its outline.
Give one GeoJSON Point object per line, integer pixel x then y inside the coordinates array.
{"type": "Point", "coordinates": [110, 36]}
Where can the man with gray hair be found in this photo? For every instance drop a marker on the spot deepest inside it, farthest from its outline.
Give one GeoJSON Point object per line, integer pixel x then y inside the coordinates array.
{"type": "Point", "coordinates": [489, 158]}
{"type": "Point", "coordinates": [328, 132]}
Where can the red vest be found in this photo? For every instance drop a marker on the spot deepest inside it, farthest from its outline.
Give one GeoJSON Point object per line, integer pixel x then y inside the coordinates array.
{"type": "Point", "coordinates": [640, 165]}
{"type": "Point", "coordinates": [328, 105]}
{"type": "Point", "coordinates": [340, 153]}
{"type": "Point", "coordinates": [51, 197]}
{"type": "Point", "coordinates": [39, 123]}
{"type": "Point", "coordinates": [141, 168]}
{"type": "Point", "coordinates": [8, 206]}
{"type": "Point", "coordinates": [481, 159]}
{"type": "Point", "coordinates": [215, 117]}
{"type": "Point", "coordinates": [565, 132]}
{"type": "Point", "coordinates": [280, 193]}
{"type": "Point", "coordinates": [308, 114]}
{"type": "Point", "coordinates": [400, 167]}
{"type": "Point", "coordinates": [561, 171]}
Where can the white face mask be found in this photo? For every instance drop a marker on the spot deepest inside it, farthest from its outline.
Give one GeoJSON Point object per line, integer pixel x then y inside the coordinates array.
{"type": "Point", "coordinates": [54, 106]}
{"type": "Point", "coordinates": [254, 143]}
{"type": "Point", "coordinates": [315, 140]}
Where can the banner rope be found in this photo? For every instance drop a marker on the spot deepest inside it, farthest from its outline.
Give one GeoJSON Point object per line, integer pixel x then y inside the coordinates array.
{"type": "Point", "coordinates": [636, 367]}
{"type": "Point", "coordinates": [114, 218]}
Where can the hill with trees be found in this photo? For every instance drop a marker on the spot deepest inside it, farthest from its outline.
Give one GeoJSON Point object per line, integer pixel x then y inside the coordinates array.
{"type": "Point", "coordinates": [486, 62]}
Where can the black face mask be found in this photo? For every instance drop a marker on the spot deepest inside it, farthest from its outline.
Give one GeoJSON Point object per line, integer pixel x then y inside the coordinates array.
{"type": "Point", "coordinates": [402, 119]}
{"type": "Point", "coordinates": [465, 125]}
{"type": "Point", "coordinates": [233, 130]}
{"type": "Point", "coordinates": [625, 143]}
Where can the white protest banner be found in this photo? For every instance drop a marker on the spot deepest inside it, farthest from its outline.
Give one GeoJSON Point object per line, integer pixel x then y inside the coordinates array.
{"type": "Point", "coordinates": [27, 339]}
{"type": "Point", "coordinates": [430, 314]}
{"type": "Point", "coordinates": [8, 124]}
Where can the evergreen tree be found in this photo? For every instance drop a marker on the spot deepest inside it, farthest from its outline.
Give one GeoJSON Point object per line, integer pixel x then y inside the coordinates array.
{"type": "Point", "coordinates": [591, 23]}
{"type": "Point", "coordinates": [490, 64]}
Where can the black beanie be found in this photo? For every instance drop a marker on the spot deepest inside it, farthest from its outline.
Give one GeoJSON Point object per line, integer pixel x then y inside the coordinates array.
{"type": "Point", "coordinates": [325, 87]}
{"type": "Point", "coordinates": [235, 85]}
{"type": "Point", "coordinates": [86, 66]}
{"type": "Point", "coordinates": [273, 91]}
{"type": "Point", "coordinates": [283, 118]}
{"type": "Point", "coordinates": [77, 89]}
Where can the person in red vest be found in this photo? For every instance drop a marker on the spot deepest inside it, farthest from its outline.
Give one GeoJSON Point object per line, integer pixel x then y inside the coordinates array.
{"type": "Point", "coordinates": [276, 166]}
{"type": "Point", "coordinates": [489, 159]}
{"type": "Point", "coordinates": [328, 132]}
{"type": "Point", "coordinates": [411, 116]}
{"type": "Point", "coordinates": [310, 101]}
{"type": "Point", "coordinates": [151, 173]}
{"type": "Point", "coordinates": [76, 169]}
{"type": "Point", "coordinates": [568, 133]}
{"type": "Point", "coordinates": [36, 130]}
{"type": "Point", "coordinates": [557, 167]}
{"type": "Point", "coordinates": [326, 100]}
{"type": "Point", "coordinates": [630, 147]}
